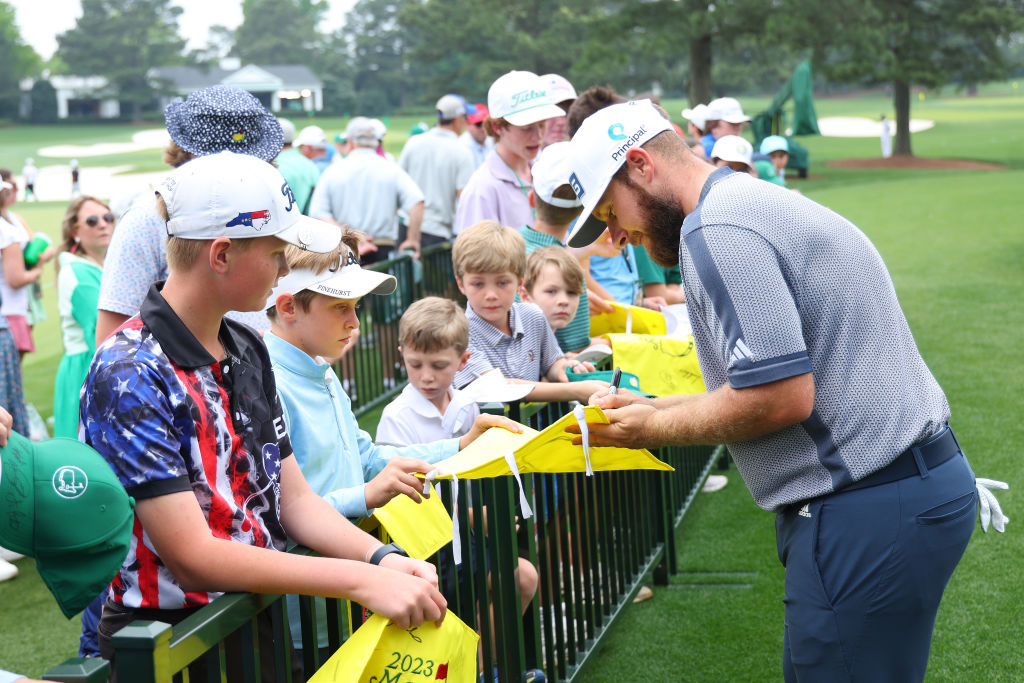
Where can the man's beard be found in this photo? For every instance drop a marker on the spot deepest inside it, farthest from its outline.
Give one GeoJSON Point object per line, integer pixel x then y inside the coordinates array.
{"type": "Point", "coordinates": [663, 218]}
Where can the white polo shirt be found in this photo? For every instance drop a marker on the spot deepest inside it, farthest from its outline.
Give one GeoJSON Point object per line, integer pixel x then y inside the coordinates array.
{"type": "Point", "coordinates": [412, 419]}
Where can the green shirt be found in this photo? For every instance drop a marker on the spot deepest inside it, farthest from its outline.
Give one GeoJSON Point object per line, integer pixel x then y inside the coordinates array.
{"type": "Point", "coordinates": [575, 335]}
{"type": "Point", "coordinates": [651, 273]}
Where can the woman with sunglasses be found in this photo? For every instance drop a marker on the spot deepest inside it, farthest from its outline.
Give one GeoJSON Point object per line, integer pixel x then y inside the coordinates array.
{"type": "Point", "coordinates": [85, 236]}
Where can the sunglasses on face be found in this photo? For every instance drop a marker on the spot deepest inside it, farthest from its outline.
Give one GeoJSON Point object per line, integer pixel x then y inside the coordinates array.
{"type": "Point", "coordinates": [93, 221]}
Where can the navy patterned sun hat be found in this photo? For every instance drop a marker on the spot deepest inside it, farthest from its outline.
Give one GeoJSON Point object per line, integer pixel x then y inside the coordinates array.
{"type": "Point", "coordinates": [223, 118]}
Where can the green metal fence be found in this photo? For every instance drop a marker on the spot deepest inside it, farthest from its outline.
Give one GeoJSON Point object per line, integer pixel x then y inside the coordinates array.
{"type": "Point", "coordinates": [591, 539]}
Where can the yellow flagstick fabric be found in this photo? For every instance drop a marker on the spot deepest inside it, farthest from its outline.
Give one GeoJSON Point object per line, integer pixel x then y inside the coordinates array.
{"type": "Point", "coordinates": [664, 365]}
{"type": "Point", "coordinates": [550, 451]}
{"type": "Point", "coordinates": [380, 651]}
{"type": "Point", "coordinates": [420, 528]}
{"type": "Point", "coordinates": [635, 319]}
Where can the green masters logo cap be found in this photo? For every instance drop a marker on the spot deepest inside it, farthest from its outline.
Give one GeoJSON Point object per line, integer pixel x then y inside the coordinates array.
{"type": "Point", "coordinates": [61, 503]}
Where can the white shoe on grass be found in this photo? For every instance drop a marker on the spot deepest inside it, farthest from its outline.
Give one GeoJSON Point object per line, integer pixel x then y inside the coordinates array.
{"type": "Point", "coordinates": [9, 555]}
{"type": "Point", "coordinates": [7, 570]}
{"type": "Point", "coordinates": [715, 482]}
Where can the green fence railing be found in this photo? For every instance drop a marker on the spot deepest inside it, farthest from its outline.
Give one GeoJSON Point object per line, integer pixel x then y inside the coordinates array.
{"type": "Point", "coordinates": [592, 539]}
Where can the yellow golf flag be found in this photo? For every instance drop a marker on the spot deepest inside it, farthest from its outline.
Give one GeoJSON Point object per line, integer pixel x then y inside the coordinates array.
{"type": "Point", "coordinates": [628, 319]}
{"type": "Point", "coordinates": [381, 651]}
{"type": "Point", "coordinates": [420, 528]}
{"type": "Point", "coordinates": [665, 365]}
{"type": "Point", "coordinates": [549, 451]}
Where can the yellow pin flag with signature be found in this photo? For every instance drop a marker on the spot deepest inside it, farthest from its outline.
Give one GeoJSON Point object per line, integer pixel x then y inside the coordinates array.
{"type": "Point", "coordinates": [380, 651]}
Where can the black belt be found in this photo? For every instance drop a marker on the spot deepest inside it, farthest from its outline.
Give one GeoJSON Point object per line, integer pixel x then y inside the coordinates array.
{"type": "Point", "coordinates": [930, 453]}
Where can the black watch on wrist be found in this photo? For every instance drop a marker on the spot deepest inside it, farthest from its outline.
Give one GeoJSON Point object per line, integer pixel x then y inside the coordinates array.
{"type": "Point", "coordinates": [388, 549]}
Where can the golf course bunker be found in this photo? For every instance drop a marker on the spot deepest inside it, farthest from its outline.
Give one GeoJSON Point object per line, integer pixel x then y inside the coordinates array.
{"type": "Point", "coordinates": [862, 127]}
{"type": "Point", "coordinates": [154, 138]}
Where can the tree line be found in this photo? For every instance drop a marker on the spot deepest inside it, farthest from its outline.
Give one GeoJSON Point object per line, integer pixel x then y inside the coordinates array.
{"type": "Point", "coordinates": [396, 54]}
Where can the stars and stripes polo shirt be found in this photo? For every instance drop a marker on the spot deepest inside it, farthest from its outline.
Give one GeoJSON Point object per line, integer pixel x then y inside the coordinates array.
{"type": "Point", "coordinates": [168, 417]}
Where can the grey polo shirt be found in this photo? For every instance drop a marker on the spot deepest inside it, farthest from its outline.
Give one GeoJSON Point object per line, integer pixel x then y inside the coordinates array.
{"type": "Point", "coordinates": [777, 286]}
{"type": "Point", "coordinates": [441, 166]}
{"type": "Point", "coordinates": [364, 191]}
{"type": "Point", "coordinates": [528, 353]}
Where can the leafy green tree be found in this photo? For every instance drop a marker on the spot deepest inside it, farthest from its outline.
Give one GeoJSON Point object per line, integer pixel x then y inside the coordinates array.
{"type": "Point", "coordinates": [18, 60]}
{"type": "Point", "coordinates": [44, 102]}
{"type": "Point", "coordinates": [334, 67]}
{"type": "Point", "coordinates": [279, 31]}
{"type": "Point", "coordinates": [379, 43]}
{"type": "Point", "coordinates": [462, 46]}
{"type": "Point", "coordinates": [122, 40]}
{"type": "Point", "coordinates": [906, 42]}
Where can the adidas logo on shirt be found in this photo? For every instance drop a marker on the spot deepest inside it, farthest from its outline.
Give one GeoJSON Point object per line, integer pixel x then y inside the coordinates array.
{"type": "Point", "coordinates": [740, 352]}
{"type": "Point", "coordinates": [804, 511]}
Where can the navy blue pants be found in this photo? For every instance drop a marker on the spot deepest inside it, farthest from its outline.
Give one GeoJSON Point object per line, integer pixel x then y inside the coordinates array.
{"type": "Point", "coordinates": [865, 572]}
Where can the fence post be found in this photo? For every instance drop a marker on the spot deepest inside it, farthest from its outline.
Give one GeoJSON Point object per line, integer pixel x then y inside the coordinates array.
{"type": "Point", "coordinates": [75, 670]}
{"type": "Point", "coordinates": [143, 652]}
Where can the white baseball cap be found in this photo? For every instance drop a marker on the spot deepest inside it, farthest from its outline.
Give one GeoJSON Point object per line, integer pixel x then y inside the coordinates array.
{"type": "Point", "coordinates": [559, 88]}
{"type": "Point", "coordinates": [314, 136]}
{"type": "Point", "coordinates": [237, 195]}
{"type": "Point", "coordinates": [552, 170]}
{"type": "Point", "coordinates": [287, 129]}
{"type": "Point", "coordinates": [599, 149]}
{"type": "Point", "coordinates": [521, 98]}
{"type": "Point", "coordinates": [351, 281]}
{"type": "Point", "coordinates": [698, 116]}
{"type": "Point", "coordinates": [726, 109]}
{"type": "Point", "coordinates": [361, 131]}
{"type": "Point", "coordinates": [733, 148]}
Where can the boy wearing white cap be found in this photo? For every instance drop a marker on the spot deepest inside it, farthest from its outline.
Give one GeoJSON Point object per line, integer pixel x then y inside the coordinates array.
{"type": "Point", "coordinates": [182, 404]}
{"type": "Point", "coordinates": [724, 117]}
{"type": "Point", "coordinates": [519, 106]}
{"type": "Point", "coordinates": [734, 152]}
{"type": "Point", "coordinates": [557, 207]}
{"type": "Point", "coordinates": [313, 316]}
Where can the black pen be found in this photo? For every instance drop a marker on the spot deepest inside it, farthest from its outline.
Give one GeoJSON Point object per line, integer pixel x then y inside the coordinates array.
{"type": "Point", "coordinates": [616, 378]}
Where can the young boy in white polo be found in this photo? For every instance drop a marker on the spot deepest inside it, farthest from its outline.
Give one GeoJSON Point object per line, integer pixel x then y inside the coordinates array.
{"type": "Point", "coordinates": [434, 338]}
{"type": "Point", "coordinates": [182, 404]}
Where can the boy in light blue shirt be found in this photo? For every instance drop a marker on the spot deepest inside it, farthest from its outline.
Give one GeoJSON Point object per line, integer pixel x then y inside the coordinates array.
{"type": "Point", "coordinates": [313, 315]}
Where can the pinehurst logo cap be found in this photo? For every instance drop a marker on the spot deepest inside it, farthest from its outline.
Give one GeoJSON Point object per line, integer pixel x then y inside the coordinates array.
{"type": "Point", "coordinates": [61, 503]}
{"type": "Point", "coordinates": [240, 196]}
{"type": "Point", "coordinates": [598, 150]}
{"type": "Point", "coordinates": [349, 281]}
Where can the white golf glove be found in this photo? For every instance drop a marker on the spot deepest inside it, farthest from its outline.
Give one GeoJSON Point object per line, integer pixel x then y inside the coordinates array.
{"type": "Point", "coordinates": [989, 507]}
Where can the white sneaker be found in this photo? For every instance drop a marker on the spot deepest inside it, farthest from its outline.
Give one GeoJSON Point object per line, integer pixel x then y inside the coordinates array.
{"type": "Point", "coordinates": [7, 570]}
{"type": "Point", "coordinates": [715, 482]}
{"type": "Point", "coordinates": [9, 555]}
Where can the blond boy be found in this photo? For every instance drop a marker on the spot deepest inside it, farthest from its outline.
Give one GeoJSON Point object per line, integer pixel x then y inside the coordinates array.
{"type": "Point", "coordinates": [434, 338]}
{"type": "Point", "coordinates": [490, 263]}
{"type": "Point", "coordinates": [182, 403]}
{"type": "Point", "coordinates": [554, 281]}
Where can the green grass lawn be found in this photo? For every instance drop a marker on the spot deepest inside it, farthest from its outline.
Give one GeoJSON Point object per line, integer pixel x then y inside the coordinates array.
{"type": "Point", "coordinates": [953, 243]}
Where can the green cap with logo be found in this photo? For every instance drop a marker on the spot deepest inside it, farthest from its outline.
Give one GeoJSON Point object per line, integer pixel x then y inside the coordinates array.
{"type": "Point", "coordinates": [61, 503]}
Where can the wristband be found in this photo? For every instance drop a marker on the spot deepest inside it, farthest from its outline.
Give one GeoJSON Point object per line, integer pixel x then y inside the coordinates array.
{"type": "Point", "coordinates": [388, 549]}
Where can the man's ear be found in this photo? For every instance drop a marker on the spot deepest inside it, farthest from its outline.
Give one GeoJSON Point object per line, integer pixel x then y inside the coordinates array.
{"type": "Point", "coordinates": [464, 360]}
{"type": "Point", "coordinates": [639, 162]}
{"type": "Point", "coordinates": [220, 255]}
{"type": "Point", "coordinates": [532, 197]}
